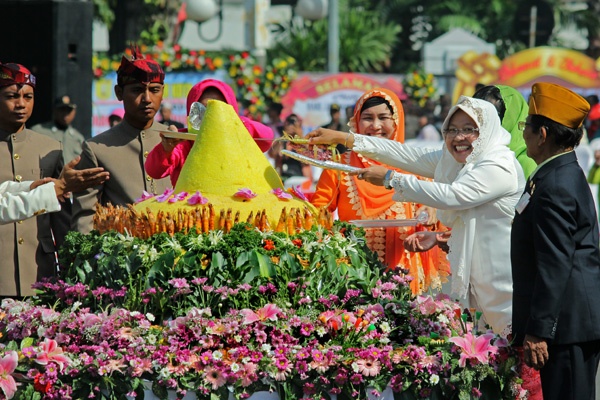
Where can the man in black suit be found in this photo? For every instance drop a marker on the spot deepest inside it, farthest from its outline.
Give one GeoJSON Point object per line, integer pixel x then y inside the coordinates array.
{"type": "Point", "coordinates": [554, 251]}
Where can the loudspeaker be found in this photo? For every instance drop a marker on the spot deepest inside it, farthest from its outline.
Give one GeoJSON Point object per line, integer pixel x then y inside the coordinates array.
{"type": "Point", "coordinates": [53, 39]}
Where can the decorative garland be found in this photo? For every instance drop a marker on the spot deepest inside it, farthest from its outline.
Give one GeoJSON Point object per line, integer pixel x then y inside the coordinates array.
{"type": "Point", "coordinates": [256, 86]}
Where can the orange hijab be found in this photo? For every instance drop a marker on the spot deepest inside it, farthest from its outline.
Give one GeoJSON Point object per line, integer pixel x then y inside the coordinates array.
{"type": "Point", "coordinates": [375, 199]}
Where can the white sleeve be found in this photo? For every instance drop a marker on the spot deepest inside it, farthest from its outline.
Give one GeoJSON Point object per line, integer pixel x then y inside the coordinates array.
{"type": "Point", "coordinates": [417, 160]}
{"type": "Point", "coordinates": [13, 187]}
{"type": "Point", "coordinates": [17, 205]}
{"type": "Point", "coordinates": [487, 181]}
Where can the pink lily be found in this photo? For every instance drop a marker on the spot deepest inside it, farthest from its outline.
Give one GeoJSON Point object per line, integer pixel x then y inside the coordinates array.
{"type": "Point", "coordinates": [296, 191]}
{"type": "Point", "coordinates": [166, 194]}
{"type": "Point", "coordinates": [281, 194]}
{"type": "Point", "coordinates": [51, 352]}
{"type": "Point", "coordinates": [178, 197]}
{"type": "Point", "coordinates": [145, 196]}
{"type": "Point", "coordinates": [268, 312]}
{"type": "Point", "coordinates": [245, 194]}
{"type": "Point", "coordinates": [8, 363]}
{"type": "Point", "coordinates": [474, 347]}
{"type": "Point", "coordinates": [197, 198]}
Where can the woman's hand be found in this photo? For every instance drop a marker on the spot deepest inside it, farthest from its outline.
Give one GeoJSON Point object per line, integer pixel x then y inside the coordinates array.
{"type": "Point", "coordinates": [329, 136]}
{"type": "Point", "coordinates": [372, 175]}
{"type": "Point", "coordinates": [431, 214]}
{"type": "Point", "coordinates": [169, 143]}
{"type": "Point", "coordinates": [421, 241]}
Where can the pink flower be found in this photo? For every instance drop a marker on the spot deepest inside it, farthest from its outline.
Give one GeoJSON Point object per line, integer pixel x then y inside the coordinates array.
{"type": "Point", "coordinates": [368, 367]}
{"type": "Point", "coordinates": [474, 347]}
{"type": "Point", "coordinates": [8, 363]}
{"type": "Point", "coordinates": [197, 198]}
{"type": "Point", "coordinates": [296, 191]}
{"type": "Point", "coordinates": [145, 196]}
{"type": "Point", "coordinates": [245, 194]}
{"type": "Point", "coordinates": [51, 352]}
{"type": "Point", "coordinates": [178, 197]}
{"type": "Point", "coordinates": [215, 377]}
{"type": "Point", "coordinates": [268, 312]}
{"type": "Point", "coordinates": [166, 194]}
{"type": "Point", "coordinates": [281, 194]}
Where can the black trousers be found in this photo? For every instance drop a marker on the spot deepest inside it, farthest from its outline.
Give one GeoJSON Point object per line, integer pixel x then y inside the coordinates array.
{"type": "Point", "coordinates": [570, 373]}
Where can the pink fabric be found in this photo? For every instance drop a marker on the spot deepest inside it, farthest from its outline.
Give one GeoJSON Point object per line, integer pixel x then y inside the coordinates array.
{"type": "Point", "coordinates": [159, 165]}
{"type": "Point", "coordinates": [256, 129]}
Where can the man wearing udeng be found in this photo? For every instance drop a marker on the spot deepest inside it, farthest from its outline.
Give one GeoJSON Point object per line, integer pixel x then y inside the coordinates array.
{"type": "Point", "coordinates": [122, 149]}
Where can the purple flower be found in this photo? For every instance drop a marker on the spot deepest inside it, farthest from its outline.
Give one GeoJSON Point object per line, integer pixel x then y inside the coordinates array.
{"type": "Point", "coordinates": [296, 191]}
{"type": "Point", "coordinates": [178, 197]}
{"type": "Point", "coordinates": [281, 194]}
{"type": "Point", "coordinates": [197, 198]}
{"type": "Point", "coordinates": [245, 194]}
{"type": "Point", "coordinates": [145, 196]}
{"type": "Point", "coordinates": [166, 194]}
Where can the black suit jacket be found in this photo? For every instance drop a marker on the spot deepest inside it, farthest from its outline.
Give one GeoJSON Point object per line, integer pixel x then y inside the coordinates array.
{"type": "Point", "coordinates": [555, 257]}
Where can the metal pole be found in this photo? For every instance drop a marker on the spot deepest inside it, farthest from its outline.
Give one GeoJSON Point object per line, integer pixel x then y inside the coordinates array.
{"type": "Point", "coordinates": [333, 40]}
{"type": "Point", "coordinates": [532, 26]}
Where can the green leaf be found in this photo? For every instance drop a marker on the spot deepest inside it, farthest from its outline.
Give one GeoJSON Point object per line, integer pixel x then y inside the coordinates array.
{"type": "Point", "coordinates": [27, 342]}
{"type": "Point", "coordinates": [265, 267]}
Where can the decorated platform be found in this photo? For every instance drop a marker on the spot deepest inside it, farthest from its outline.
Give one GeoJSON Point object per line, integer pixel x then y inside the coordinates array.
{"type": "Point", "coordinates": [233, 311]}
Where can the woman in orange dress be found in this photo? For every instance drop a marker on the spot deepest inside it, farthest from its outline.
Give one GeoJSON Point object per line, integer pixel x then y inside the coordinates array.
{"type": "Point", "coordinates": [379, 112]}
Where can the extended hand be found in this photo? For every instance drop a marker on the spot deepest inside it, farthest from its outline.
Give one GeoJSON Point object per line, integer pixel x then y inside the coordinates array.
{"type": "Point", "coordinates": [431, 214]}
{"type": "Point", "coordinates": [420, 241]}
{"type": "Point", "coordinates": [372, 175]}
{"type": "Point", "coordinates": [75, 180]}
{"type": "Point", "coordinates": [169, 143]}
{"type": "Point", "coordinates": [329, 136]}
{"type": "Point", "coordinates": [535, 351]}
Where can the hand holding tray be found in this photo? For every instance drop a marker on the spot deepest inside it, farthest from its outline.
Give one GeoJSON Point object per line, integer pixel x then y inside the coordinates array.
{"type": "Point", "coordinates": [320, 163]}
{"type": "Point", "coordinates": [390, 223]}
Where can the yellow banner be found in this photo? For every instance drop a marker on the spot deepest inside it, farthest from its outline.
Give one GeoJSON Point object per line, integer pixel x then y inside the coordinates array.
{"type": "Point", "coordinates": [568, 65]}
{"type": "Point", "coordinates": [524, 68]}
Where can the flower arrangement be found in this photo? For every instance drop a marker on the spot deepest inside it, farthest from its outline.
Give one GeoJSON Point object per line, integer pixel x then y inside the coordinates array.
{"type": "Point", "coordinates": [309, 315]}
{"type": "Point", "coordinates": [256, 86]}
{"type": "Point", "coordinates": [420, 86]}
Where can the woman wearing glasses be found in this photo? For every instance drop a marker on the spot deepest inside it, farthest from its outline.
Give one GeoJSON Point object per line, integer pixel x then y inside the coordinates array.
{"type": "Point", "coordinates": [379, 113]}
{"type": "Point", "coordinates": [476, 185]}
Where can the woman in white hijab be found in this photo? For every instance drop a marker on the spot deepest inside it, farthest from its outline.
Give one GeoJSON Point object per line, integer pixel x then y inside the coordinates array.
{"type": "Point", "coordinates": [477, 184]}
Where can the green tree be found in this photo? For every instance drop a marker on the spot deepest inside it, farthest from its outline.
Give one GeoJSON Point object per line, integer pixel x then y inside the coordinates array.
{"type": "Point", "coordinates": [366, 43]}
{"type": "Point", "coordinates": [138, 21]}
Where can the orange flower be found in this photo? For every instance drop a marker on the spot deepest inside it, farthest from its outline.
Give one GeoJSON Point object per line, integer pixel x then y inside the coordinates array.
{"type": "Point", "coordinates": [269, 245]}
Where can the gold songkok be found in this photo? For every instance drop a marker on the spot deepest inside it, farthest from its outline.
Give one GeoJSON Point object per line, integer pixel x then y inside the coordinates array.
{"type": "Point", "coordinates": [558, 104]}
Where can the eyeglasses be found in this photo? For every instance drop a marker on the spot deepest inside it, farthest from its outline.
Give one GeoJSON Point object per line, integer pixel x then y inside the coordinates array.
{"type": "Point", "coordinates": [522, 124]}
{"type": "Point", "coordinates": [466, 132]}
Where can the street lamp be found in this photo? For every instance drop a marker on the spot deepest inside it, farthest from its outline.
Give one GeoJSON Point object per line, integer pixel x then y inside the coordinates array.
{"type": "Point", "coordinates": [311, 9]}
{"type": "Point", "coordinates": [201, 11]}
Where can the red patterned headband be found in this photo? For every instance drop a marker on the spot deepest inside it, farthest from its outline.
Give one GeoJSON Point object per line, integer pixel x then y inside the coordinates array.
{"type": "Point", "coordinates": [139, 70]}
{"type": "Point", "coordinates": [11, 73]}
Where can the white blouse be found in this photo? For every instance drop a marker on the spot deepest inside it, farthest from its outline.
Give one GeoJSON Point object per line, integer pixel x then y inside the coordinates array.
{"type": "Point", "coordinates": [478, 206]}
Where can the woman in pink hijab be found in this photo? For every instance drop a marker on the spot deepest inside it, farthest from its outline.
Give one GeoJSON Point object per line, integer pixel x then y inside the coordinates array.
{"type": "Point", "coordinates": [168, 157]}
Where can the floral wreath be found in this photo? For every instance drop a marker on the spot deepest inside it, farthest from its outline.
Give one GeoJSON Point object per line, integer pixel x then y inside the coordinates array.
{"type": "Point", "coordinates": [256, 86]}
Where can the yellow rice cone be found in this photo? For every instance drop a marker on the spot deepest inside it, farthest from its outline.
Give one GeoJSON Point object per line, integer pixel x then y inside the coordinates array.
{"type": "Point", "coordinates": [223, 160]}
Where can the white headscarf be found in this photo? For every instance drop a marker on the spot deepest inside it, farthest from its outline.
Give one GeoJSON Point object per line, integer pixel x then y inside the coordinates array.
{"type": "Point", "coordinates": [595, 144]}
{"type": "Point", "coordinates": [492, 143]}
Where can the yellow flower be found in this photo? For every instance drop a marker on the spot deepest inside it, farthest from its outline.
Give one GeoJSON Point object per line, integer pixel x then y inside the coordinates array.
{"type": "Point", "coordinates": [270, 75]}
{"type": "Point", "coordinates": [218, 62]}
